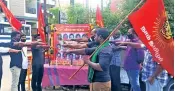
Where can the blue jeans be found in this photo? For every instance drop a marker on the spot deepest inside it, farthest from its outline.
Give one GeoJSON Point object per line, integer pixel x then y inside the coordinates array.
{"type": "Point", "coordinates": [133, 76]}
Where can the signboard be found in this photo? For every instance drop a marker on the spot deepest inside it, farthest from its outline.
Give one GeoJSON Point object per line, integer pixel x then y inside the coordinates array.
{"type": "Point", "coordinates": [64, 32]}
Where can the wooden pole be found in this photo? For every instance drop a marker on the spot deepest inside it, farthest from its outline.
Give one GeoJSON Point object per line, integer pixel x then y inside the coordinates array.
{"type": "Point", "coordinates": [115, 30]}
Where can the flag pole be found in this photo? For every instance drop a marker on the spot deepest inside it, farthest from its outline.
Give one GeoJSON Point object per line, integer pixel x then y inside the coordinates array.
{"type": "Point", "coordinates": [114, 31]}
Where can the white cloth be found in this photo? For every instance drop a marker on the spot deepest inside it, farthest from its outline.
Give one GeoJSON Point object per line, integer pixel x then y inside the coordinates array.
{"type": "Point", "coordinates": [4, 49]}
{"type": "Point", "coordinates": [156, 86]}
{"type": "Point", "coordinates": [24, 57]}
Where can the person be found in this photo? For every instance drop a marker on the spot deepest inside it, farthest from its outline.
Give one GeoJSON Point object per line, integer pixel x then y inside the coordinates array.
{"type": "Point", "coordinates": [59, 37]}
{"type": "Point", "coordinates": [71, 36]}
{"type": "Point", "coordinates": [101, 80]}
{"type": "Point", "coordinates": [4, 47]}
{"type": "Point", "coordinates": [85, 38]}
{"type": "Point", "coordinates": [23, 73]}
{"type": "Point", "coordinates": [77, 36]}
{"type": "Point", "coordinates": [65, 37]}
{"type": "Point", "coordinates": [116, 63]}
{"type": "Point", "coordinates": [37, 64]}
{"type": "Point", "coordinates": [154, 76]}
{"type": "Point", "coordinates": [131, 65]}
{"type": "Point", "coordinates": [16, 61]}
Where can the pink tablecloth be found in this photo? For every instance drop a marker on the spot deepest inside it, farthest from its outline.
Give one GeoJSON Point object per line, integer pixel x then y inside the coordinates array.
{"type": "Point", "coordinates": [59, 75]}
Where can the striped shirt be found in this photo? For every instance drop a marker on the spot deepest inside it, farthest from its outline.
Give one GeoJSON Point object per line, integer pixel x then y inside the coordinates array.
{"type": "Point", "coordinates": [116, 56]}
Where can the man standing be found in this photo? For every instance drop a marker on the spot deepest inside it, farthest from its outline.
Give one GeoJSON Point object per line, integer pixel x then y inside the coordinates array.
{"type": "Point", "coordinates": [101, 79]}
{"type": "Point", "coordinates": [116, 63]}
{"type": "Point", "coordinates": [37, 64]}
{"type": "Point", "coordinates": [131, 64]}
{"type": "Point", "coordinates": [16, 61]}
{"type": "Point", "coordinates": [5, 49]}
{"type": "Point", "coordinates": [23, 72]}
{"type": "Point", "coordinates": [153, 74]}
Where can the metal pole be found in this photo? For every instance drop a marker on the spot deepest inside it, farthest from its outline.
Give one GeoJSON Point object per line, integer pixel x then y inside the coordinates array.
{"type": "Point", "coordinates": [101, 5]}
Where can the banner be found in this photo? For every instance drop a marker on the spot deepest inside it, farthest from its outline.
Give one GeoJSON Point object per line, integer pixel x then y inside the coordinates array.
{"type": "Point", "coordinates": [69, 31]}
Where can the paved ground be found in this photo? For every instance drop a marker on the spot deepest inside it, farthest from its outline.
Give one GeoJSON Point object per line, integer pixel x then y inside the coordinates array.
{"type": "Point", "coordinates": [6, 78]}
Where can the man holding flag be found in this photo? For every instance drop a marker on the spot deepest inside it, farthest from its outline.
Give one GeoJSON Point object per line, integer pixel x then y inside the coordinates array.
{"type": "Point", "coordinates": [98, 73]}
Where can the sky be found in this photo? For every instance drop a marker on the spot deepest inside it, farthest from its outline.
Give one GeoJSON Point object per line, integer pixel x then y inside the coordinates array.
{"type": "Point", "coordinates": [92, 3]}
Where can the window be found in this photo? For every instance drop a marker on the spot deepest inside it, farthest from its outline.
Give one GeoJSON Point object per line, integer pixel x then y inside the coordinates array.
{"type": "Point", "coordinates": [26, 30]}
{"type": "Point", "coordinates": [5, 29]}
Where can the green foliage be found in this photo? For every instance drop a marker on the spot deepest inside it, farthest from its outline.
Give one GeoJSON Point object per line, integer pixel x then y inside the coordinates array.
{"type": "Point", "coordinates": [169, 6]}
{"type": "Point", "coordinates": [77, 14]}
{"type": "Point", "coordinates": [111, 20]}
{"type": "Point", "coordinates": [53, 19]}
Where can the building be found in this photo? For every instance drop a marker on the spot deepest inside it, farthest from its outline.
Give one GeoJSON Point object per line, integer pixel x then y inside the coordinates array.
{"type": "Point", "coordinates": [26, 11]}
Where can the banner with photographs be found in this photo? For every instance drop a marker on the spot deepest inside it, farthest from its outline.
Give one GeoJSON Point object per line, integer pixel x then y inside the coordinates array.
{"type": "Point", "coordinates": [65, 32]}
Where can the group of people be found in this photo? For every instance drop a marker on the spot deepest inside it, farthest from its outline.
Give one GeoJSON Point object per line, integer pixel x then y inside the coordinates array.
{"type": "Point", "coordinates": [17, 49]}
{"type": "Point", "coordinates": [104, 65]}
{"type": "Point", "coordinates": [105, 72]}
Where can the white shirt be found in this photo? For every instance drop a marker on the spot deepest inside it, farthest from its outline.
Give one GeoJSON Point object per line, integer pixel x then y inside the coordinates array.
{"type": "Point", "coordinates": [24, 57]}
{"type": "Point", "coordinates": [4, 49]}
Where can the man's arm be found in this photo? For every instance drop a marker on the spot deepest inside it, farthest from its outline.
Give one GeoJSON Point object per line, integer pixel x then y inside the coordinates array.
{"type": "Point", "coordinates": [104, 61]}
{"type": "Point", "coordinates": [84, 51]}
{"type": "Point", "coordinates": [132, 44]}
{"type": "Point", "coordinates": [95, 66]}
{"type": "Point", "coordinates": [6, 50]}
{"type": "Point", "coordinates": [75, 46]}
{"type": "Point", "coordinates": [159, 69]}
{"type": "Point", "coordinates": [43, 46]}
{"type": "Point", "coordinates": [80, 40]}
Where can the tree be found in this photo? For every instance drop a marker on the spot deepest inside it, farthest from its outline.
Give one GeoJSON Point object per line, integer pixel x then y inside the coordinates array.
{"type": "Point", "coordinates": [77, 14]}
{"type": "Point", "coordinates": [169, 6]}
{"type": "Point", "coordinates": [53, 16]}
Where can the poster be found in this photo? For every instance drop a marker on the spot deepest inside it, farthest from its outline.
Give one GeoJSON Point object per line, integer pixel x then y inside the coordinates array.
{"type": "Point", "coordinates": [63, 33]}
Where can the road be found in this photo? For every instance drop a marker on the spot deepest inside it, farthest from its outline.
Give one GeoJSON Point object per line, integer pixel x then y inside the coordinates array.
{"type": "Point", "coordinates": [7, 76]}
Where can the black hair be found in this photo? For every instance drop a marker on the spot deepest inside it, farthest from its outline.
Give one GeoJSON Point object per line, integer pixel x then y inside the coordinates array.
{"type": "Point", "coordinates": [14, 33]}
{"type": "Point", "coordinates": [103, 32]}
{"type": "Point", "coordinates": [36, 35]}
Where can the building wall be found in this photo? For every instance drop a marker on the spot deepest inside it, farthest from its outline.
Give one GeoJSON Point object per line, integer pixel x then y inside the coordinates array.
{"type": "Point", "coordinates": [17, 7]}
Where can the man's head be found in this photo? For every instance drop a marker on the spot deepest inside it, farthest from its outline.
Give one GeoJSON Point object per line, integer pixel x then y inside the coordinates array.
{"type": "Point", "coordinates": [65, 36]}
{"type": "Point", "coordinates": [71, 36]}
{"type": "Point", "coordinates": [37, 37]}
{"type": "Point", "coordinates": [23, 38]}
{"type": "Point", "coordinates": [78, 36]}
{"type": "Point", "coordinates": [15, 36]}
{"type": "Point", "coordinates": [117, 35]}
{"type": "Point", "coordinates": [93, 32]}
{"type": "Point", "coordinates": [131, 33]}
{"type": "Point", "coordinates": [101, 35]}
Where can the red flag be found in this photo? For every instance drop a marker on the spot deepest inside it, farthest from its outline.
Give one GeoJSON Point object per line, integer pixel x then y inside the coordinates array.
{"type": "Point", "coordinates": [99, 18]}
{"type": "Point", "coordinates": [41, 24]}
{"type": "Point", "coordinates": [113, 6]}
{"type": "Point", "coordinates": [16, 24]}
{"type": "Point", "coordinates": [151, 24]}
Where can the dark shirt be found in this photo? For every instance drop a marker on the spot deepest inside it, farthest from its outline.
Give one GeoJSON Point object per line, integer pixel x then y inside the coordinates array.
{"type": "Point", "coordinates": [92, 44]}
{"type": "Point", "coordinates": [38, 56]}
{"type": "Point", "coordinates": [91, 39]}
{"type": "Point", "coordinates": [103, 58]}
{"type": "Point", "coordinates": [16, 58]}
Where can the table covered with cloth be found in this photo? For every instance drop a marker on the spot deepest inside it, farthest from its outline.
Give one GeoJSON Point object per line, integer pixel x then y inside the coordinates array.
{"type": "Point", "coordinates": [55, 75]}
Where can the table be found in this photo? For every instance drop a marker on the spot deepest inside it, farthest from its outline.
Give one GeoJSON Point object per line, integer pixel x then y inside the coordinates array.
{"type": "Point", "coordinates": [59, 75]}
